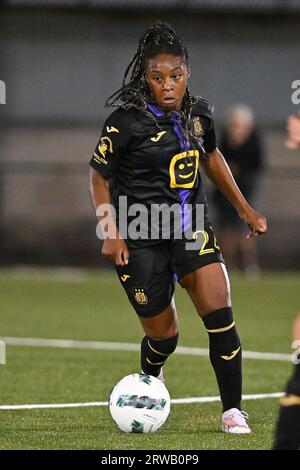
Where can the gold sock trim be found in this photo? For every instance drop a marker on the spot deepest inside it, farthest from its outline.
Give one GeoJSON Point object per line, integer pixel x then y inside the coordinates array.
{"type": "Point", "coordinates": [157, 352]}
{"type": "Point", "coordinates": [220, 330]}
{"type": "Point", "coordinates": [155, 363]}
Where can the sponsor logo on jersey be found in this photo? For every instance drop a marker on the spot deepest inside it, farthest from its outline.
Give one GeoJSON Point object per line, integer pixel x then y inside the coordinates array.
{"type": "Point", "coordinates": [125, 277]}
{"type": "Point", "coordinates": [158, 136]}
{"type": "Point", "coordinates": [183, 169]}
{"type": "Point", "coordinates": [105, 145]}
{"type": "Point", "coordinates": [112, 129]}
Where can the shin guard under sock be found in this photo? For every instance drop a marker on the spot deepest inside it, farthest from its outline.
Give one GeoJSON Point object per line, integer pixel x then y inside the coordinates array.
{"type": "Point", "coordinates": [225, 355]}
{"type": "Point", "coordinates": [155, 352]}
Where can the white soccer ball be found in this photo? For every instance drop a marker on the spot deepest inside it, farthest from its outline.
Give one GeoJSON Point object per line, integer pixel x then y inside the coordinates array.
{"type": "Point", "coordinates": [139, 403]}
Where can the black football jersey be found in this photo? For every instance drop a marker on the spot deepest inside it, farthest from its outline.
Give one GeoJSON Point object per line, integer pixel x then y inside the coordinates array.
{"type": "Point", "coordinates": [151, 162]}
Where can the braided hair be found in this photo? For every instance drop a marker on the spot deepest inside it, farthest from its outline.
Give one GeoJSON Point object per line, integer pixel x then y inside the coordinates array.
{"type": "Point", "coordinates": [158, 39]}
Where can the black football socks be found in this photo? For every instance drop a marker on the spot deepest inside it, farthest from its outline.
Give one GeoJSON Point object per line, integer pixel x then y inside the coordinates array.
{"type": "Point", "coordinates": [154, 353]}
{"type": "Point", "coordinates": [288, 425]}
{"type": "Point", "coordinates": [225, 355]}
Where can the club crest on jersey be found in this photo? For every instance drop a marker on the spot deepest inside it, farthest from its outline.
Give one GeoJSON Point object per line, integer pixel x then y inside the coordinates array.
{"type": "Point", "coordinates": [183, 169]}
{"type": "Point", "coordinates": [105, 145]}
{"type": "Point", "coordinates": [140, 296]}
{"type": "Point", "coordinates": [197, 126]}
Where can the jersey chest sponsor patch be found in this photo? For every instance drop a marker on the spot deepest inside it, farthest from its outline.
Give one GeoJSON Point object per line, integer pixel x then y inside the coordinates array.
{"type": "Point", "coordinates": [183, 169]}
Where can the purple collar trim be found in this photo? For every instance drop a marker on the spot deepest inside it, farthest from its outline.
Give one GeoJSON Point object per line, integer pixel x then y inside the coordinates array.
{"type": "Point", "coordinates": [155, 110]}
{"type": "Point", "coordinates": [158, 112]}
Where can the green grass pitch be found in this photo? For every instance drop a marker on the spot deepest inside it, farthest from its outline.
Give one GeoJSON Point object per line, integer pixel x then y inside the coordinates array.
{"type": "Point", "coordinates": [95, 308]}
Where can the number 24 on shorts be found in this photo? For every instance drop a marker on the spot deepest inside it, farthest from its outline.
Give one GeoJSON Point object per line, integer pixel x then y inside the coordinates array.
{"type": "Point", "coordinates": [203, 249]}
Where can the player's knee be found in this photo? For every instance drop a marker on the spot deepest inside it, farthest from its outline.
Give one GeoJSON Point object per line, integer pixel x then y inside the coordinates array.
{"type": "Point", "coordinates": [219, 315]}
{"type": "Point", "coordinates": [172, 331]}
{"type": "Point", "coordinates": [162, 326]}
{"type": "Point", "coordinates": [218, 300]}
{"type": "Point", "coordinates": [163, 334]}
{"type": "Point", "coordinates": [214, 301]}
{"type": "Point", "coordinates": [211, 306]}
{"type": "Point", "coordinates": [164, 346]}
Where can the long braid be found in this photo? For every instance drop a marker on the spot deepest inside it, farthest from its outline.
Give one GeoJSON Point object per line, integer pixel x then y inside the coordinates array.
{"type": "Point", "coordinates": [135, 93]}
{"type": "Point", "coordinates": [128, 68]}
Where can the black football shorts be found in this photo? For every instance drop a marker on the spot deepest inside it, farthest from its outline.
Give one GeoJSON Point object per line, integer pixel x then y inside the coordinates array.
{"type": "Point", "coordinates": [151, 273]}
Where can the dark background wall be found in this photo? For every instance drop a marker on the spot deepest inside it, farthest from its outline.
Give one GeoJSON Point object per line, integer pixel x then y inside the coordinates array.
{"type": "Point", "coordinates": [62, 65]}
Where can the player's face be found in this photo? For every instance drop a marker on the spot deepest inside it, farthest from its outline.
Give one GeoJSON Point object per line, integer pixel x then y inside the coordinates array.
{"type": "Point", "coordinates": [167, 77]}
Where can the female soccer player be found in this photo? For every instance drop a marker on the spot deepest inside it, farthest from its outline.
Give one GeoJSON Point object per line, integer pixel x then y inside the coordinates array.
{"type": "Point", "coordinates": [150, 148]}
{"type": "Point", "coordinates": [287, 436]}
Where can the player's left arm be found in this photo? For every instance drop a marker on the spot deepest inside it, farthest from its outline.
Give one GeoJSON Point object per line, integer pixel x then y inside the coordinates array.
{"type": "Point", "coordinates": [219, 173]}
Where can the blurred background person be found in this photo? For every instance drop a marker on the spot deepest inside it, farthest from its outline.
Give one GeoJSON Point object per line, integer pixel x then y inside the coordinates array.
{"type": "Point", "coordinates": [242, 149]}
{"type": "Point", "coordinates": [287, 436]}
{"type": "Point", "coordinates": [293, 128]}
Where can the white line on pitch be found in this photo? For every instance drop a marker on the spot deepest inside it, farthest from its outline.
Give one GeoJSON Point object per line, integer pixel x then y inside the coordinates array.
{"type": "Point", "coordinates": [259, 396]}
{"type": "Point", "coordinates": [175, 401]}
{"type": "Point", "coordinates": [101, 345]}
{"type": "Point", "coordinates": [58, 274]}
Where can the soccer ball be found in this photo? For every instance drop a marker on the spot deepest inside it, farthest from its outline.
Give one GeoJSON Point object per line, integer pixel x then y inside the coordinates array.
{"type": "Point", "coordinates": [139, 403]}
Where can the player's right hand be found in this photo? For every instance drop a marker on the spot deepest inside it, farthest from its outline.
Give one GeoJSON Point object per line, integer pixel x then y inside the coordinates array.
{"type": "Point", "coordinates": [116, 250]}
{"type": "Point", "coordinates": [256, 222]}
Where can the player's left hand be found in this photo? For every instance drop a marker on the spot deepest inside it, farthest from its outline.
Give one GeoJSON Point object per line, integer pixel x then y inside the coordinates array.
{"type": "Point", "coordinates": [256, 222]}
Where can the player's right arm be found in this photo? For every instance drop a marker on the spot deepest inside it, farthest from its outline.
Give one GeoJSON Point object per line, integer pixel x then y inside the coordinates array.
{"type": "Point", "coordinates": [113, 141]}
{"type": "Point", "coordinates": [113, 248]}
